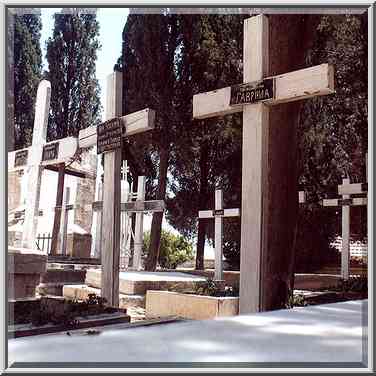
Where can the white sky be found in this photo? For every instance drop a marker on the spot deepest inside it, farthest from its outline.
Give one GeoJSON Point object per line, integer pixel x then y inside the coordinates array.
{"type": "Point", "coordinates": [111, 22]}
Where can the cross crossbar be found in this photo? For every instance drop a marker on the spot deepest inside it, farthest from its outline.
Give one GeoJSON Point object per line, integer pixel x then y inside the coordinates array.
{"type": "Point", "coordinates": [134, 123]}
{"type": "Point", "coordinates": [289, 87]}
{"type": "Point", "coordinates": [354, 201]}
{"type": "Point", "coordinates": [135, 206]}
{"type": "Point", "coordinates": [219, 213]}
{"type": "Point", "coordinates": [353, 188]}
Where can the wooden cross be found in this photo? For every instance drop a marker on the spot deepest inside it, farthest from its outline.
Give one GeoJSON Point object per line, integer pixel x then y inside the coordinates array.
{"type": "Point", "coordinates": [253, 98]}
{"type": "Point", "coordinates": [40, 155]}
{"type": "Point", "coordinates": [218, 214]}
{"type": "Point", "coordinates": [346, 202]}
{"type": "Point", "coordinates": [108, 138]}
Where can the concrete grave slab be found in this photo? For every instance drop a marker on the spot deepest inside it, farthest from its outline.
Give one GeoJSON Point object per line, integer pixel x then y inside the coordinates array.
{"type": "Point", "coordinates": [326, 334]}
{"type": "Point", "coordinates": [138, 282]}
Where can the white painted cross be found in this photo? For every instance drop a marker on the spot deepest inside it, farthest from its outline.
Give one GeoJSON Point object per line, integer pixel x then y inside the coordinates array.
{"type": "Point", "coordinates": [253, 98]}
{"type": "Point", "coordinates": [346, 202]}
{"type": "Point", "coordinates": [218, 214]}
{"type": "Point", "coordinates": [108, 138]}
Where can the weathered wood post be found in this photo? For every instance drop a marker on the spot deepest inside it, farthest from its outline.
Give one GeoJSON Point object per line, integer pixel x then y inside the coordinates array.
{"type": "Point", "coordinates": [111, 200]}
{"type": "Point", "coordinates": [64, 221]}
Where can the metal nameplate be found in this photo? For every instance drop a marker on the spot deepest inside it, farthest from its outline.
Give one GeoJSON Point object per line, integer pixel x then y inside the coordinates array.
{"type": "Point", "coordinates": [252, 92]}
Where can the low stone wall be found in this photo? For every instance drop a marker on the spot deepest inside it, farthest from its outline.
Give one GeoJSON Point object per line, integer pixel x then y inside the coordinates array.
{"type": "Point", "coordinates": [189, 306]}
{"type": "Point", "coordinates": [25, 268]}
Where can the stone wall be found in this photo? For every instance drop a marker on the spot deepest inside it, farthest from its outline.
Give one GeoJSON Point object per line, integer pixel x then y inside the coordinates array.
{"type": "Point", "coordinates": [14, 189]}
{"type": "Point", "coordinates": [85, 194]}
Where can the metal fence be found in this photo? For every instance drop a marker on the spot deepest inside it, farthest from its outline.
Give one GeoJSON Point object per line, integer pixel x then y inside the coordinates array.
{"type": "Point", "coordinates": [44, 242]}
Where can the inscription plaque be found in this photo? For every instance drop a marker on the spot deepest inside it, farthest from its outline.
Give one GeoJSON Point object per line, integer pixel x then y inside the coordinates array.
{"type": "Point", "coordinates": [218, 212]}
{"type": "Point", "coordinates": [50, 151]}
{"type": "Point", "coordinates": [252, 92]}
{"type": "Point", "coordinates": [109, 135]}
{"type": "Point", "coordinates": [20, 159]}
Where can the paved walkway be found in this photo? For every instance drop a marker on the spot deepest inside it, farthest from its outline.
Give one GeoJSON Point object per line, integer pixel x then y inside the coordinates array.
{"type": "Point", "coordinates": [326, 333]}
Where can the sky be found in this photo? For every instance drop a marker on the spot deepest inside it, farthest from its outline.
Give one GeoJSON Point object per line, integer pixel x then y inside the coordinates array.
{"type": "Point", "coordinates": [111, 22]}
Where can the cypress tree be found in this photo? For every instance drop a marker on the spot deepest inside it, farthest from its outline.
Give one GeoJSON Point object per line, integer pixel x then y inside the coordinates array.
{"type": "Point", "coordinates": [27, 73]}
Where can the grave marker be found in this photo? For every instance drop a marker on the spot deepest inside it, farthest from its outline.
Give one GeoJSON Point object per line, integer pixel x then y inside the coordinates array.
{"type": "Point", "coordinates": [134, 123]}
{"type": "Point", "coordinates": [218, 214]}
{"type": "Point", "coordinates": [297, 85]}
{"type": "Point", "coordinates": [345, 203]}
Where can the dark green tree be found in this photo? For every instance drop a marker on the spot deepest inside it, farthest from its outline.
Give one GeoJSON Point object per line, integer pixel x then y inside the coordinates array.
{"type": "Point", "coordinates": [149, 49]}
{"type": "Point", "coordinates": [71, 55]}
{"type": "Point", "coordinates": [208, 152]}
{"type": "Point", "coordinates": [333, 138]}
{"type": "Point", "coordinates": [27, 73]}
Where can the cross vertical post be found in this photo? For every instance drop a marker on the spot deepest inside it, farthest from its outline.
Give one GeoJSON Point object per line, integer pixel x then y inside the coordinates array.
{"type": "Point", "coordinates": [111, 201]}
{"type": "Point", "coordinates": [345, 253]}
{"type": "Point", "coordinates": [218, 235]}
{"type": "Point", "coordinates": [254, 162]}
{"type": "Point", "coordinates": [64, 222]}
{"type": "Point", "coordinates": [98, 227]}
{"type": "Point", "coordinates": [34, 168]}
{"type": "Point", "coordinates": [139, 225]}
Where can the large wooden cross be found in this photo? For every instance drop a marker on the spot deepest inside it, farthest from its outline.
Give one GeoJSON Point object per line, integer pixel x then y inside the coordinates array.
{"type": "Point", "coordinates": [253, 98]}
{"type": "Point", "coordinates": [108, 138]}
{"type": "Point", "coordinates": [218, 214]}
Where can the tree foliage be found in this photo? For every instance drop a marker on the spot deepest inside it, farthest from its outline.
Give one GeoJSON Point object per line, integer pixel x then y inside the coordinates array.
{"type": "Point", "coordinates": [27, 73]}
{"type": "Point", "coordinates": [333, 138]}
{"type": "Point", "coordinates": [174, 249]}
{"type": "Point", "coordinates": [71, 55]}
{"type": "Point", "coordinates": [208, 152]}
{"type": "Point", "coordinates": [149, 45]}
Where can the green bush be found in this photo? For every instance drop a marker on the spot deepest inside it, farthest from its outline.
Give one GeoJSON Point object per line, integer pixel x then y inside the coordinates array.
{"type": "Point", "coordinates": [173, 251]}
